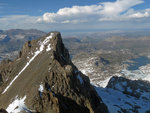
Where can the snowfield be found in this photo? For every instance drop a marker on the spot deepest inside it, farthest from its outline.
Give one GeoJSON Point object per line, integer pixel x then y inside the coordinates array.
{"type": "Point", "coordinates": [115, 99]}
{"type": "Point", "coordinates": [143, 73]}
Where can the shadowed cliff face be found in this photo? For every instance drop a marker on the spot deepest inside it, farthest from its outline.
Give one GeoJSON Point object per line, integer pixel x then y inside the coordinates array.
{"type": "Point", "coordinates": [44, 80]}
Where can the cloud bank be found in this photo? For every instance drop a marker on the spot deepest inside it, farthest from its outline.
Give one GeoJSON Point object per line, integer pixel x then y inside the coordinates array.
{"type": "Point", "coordinates": [120, 10]}
{"type": "Point", "coordinates": [120, 14]}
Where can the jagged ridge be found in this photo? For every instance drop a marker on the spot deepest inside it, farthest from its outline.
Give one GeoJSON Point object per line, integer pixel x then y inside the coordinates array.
{"type": "Point", "coordinates": [45, 80]}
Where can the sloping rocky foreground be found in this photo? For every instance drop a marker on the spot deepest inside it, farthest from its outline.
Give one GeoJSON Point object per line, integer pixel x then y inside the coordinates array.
{"type": "Point", "coordinates": [44, 80]}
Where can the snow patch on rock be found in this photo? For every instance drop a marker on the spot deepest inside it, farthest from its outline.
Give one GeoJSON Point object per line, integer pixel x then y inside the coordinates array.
{"type": "Point", "coordinates": [48, 47]}
{"type": "Point", "coordinates": [41, 88]}
{"type": "Point", "coordinates": [42, 45]}
{"type": "Point", "coordinates": [17, 106]}
{"type": "Point", "coordinates": [116, 100]}
{"type": "Point", "coordinates": [104, 82]}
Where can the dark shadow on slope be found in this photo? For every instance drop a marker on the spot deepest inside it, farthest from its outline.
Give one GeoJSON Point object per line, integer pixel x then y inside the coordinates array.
{"type": "Point", "coordinates": [67, 105]}
{"type": "Point", "coordinates": [3, 110]}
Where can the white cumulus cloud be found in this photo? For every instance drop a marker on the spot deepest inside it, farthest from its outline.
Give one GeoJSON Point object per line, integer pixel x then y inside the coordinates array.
{"type": "Point", "coordinates": [119, 14]}
{"type": "Point", "coordinates": [140, 14]}
{"type": "Point", "coordinates": [104, 11]}
{"type": "Point", "coordinates": [74, 14]}
{"type": "Point", "coordinates": [119, 6]}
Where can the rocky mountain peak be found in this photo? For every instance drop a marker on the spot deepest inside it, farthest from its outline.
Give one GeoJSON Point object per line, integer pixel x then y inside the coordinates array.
{"type": "Point", "coordinates": [44, 80]}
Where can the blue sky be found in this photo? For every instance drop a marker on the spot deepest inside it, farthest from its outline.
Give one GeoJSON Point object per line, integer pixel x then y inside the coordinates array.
{"type": "Point", "coordinates": [75, 15]}
{"type": "Point", "coordinates": [34, 7]}
{"type": "Point", "coordinates": [38, 7]}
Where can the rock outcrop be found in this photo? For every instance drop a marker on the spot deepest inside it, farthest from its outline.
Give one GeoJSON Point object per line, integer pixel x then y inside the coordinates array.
{"type": "Point", "coordinates": [44, 80]}
{"type": "Point", "coordinates": [135, 88]}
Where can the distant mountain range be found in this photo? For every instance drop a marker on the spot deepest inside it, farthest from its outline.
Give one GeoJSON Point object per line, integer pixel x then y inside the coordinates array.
{"type": "Point", "coordinates": [43, 75]}
{"type": "Point", "coordinates": [11, 41]}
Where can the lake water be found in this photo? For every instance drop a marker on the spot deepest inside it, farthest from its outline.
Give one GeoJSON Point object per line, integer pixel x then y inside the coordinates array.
{"type": "Point", "coordinates": [138, 62]}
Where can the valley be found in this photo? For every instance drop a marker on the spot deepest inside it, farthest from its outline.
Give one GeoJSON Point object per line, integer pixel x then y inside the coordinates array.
{"type": "Point", "coordinates": [71, 56]}
{"type": "Point", "coordinates": [117, 66]}
{"type": "Point", "coordinates": [112, 66]}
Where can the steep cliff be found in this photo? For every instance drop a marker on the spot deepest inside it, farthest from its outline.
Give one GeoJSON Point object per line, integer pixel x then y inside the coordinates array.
{"type": "Point", "coordinates": [44, 80]}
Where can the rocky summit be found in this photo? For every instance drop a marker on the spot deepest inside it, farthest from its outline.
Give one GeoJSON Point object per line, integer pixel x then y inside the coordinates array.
{"type": "Point", "coordinates": [43, 79]}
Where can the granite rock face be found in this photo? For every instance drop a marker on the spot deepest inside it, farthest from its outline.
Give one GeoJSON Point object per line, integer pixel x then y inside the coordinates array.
{"type": "Point", "coordinates": [44, 80]}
